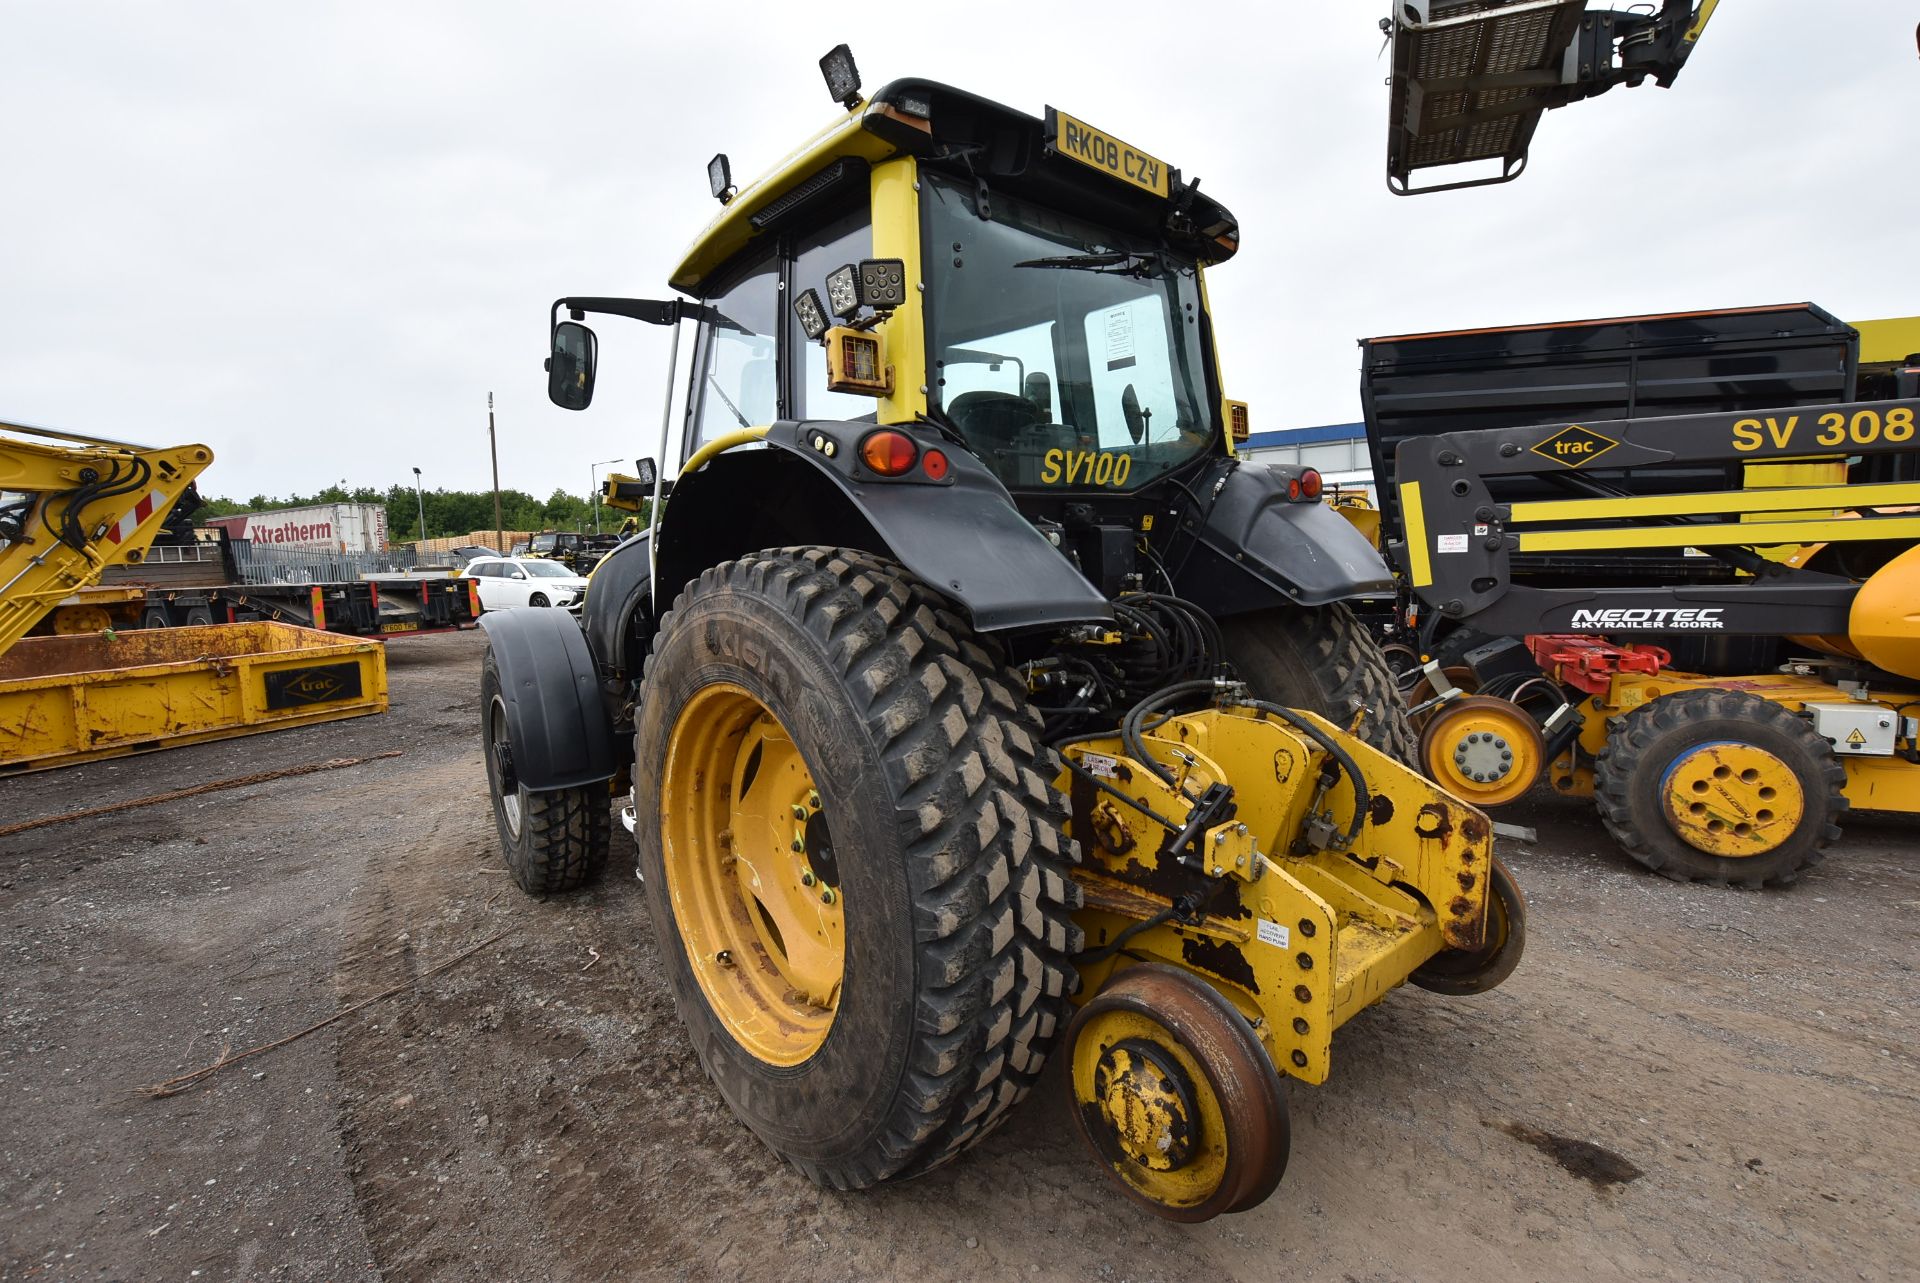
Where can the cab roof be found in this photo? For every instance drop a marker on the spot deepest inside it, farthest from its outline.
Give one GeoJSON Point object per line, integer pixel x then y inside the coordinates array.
{"type": "Point", "coordinates": [954, 131]}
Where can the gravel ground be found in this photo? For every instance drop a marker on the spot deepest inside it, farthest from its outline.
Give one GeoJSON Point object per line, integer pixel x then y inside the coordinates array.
{"type": "Point", "coordinates": [1678, 1083]}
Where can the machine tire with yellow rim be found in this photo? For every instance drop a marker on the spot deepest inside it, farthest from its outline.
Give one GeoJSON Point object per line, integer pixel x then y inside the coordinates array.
{"type": "Point", "coordinates": [1484, 750]}
{"type": "Point", "coordinates": [855, 859]}
{"type": "Point", "coordinates": [553, 840]}
{"type": "Point", "coordinates": [1172, 1090]}
{"type": "Point", "coordinates": [1720, 786]}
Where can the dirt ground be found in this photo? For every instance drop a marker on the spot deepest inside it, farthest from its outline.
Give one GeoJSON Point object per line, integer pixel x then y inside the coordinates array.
{"type": "Point", "coordinates": [1679, 1082]}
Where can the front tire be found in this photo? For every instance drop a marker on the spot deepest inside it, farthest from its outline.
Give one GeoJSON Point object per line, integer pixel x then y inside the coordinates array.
{"type": "Point", "coordinates": [829, 685]}
{"type": "Point", "coordinates": [538, 599]}
{"type": "Point", "coordinates": [1324, 660]}
{"type": "Point", "coordinates": [555, 840]}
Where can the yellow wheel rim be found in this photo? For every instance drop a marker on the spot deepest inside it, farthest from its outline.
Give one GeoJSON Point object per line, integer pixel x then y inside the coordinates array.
{"type": "Point", "coordinates": [1485, 751]}
{"type": "Point", "coordinates": [1150, 1108]}
{"type": "Point", "coordinates": [1733, 799]}
{"type": "Point", "coordinates": [751, 875]}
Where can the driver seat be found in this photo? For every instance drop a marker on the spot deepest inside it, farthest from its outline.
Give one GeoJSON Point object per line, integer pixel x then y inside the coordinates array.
{"type": "Point", "coordinates": [994, 420]}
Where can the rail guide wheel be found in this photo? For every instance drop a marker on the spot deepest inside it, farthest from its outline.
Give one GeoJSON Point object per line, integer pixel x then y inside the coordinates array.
{"type": "Point", "coordinates": [1483, 750]}
{"type": "Point", "coordinates": [1720, 786]}
{"type": "Point", "coordinates": [1459, 972]}
{"type": "Point", "coordinates": [1175, 1095]}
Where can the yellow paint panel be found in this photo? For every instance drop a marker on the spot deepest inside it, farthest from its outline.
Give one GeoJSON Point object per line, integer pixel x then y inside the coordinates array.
{"type": "Point", "coordinates": [896, 234]}
{"type": "Point", "coordinates": [1414, 517]}
{"type": "Point", "coordinates": [1768, 500]}
{"type": "Point", "coordinates": [1889, 341]}
{"type": "Point", "coordinates": [1718, 534]}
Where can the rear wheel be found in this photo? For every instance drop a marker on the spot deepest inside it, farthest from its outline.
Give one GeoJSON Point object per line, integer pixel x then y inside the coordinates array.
{"type": "Point", "coordinates": [1720, 786]}
{"type": "Point", "coordinates": [553, 840]}
{"type": "Point", "coordinates": [856, 860]}
{"type": "Point", "coordinates": [1324, 660]}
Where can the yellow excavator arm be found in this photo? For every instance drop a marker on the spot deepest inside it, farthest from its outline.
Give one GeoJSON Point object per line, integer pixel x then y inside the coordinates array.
{"type": "Point", "coordinates": [70, 506]}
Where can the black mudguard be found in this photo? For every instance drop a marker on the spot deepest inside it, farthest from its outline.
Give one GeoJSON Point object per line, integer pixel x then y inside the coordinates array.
{"type": "Point", "coordinates": [619, 608]}
{"type": "Point", "coordinates": [962, 536]}
{"type": "Point", "coordinates": [1257, 549]}
{"type": "Point", "coordinates": [561, 734]}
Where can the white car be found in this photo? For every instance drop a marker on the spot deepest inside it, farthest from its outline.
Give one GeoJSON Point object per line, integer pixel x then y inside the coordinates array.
{"type": "Point", "coordinates": [506, 582]}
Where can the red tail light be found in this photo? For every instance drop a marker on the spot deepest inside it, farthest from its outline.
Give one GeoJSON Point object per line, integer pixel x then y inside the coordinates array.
{"type": "Point", "coordinates": [889, 453]}
{"type": "Point", "coordinates": [1304, 488]}
{"type": "Point", "coordinates": [934, 464]}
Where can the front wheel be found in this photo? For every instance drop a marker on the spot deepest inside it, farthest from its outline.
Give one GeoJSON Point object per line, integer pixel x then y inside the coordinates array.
{"type": "Point", "coordinates": [855, 858]}
{"type": "Point", "coordinates": [553, 840]}
{"type": "Point", "coordinates": [538, 599]}
{"type": "Point", "coordinates": [1324, 660]}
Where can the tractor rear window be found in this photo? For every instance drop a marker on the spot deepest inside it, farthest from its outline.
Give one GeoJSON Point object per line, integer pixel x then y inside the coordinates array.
{"type": "Point", "coordinates": [1068, 356]}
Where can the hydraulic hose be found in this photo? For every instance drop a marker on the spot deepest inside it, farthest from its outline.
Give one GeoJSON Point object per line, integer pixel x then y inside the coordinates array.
{"type": "Point", "coordinates": [1362, 796]}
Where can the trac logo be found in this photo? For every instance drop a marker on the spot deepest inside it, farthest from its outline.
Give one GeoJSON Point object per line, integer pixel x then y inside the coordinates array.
{"type": "Point", "coordinates": [1574, 446]}
{"type": "Point", "coordinates": [1664, 620]}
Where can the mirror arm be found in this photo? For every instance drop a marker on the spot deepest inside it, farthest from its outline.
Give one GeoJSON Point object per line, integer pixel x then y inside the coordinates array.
{"type": "Point", "coordinates": [652, 311]}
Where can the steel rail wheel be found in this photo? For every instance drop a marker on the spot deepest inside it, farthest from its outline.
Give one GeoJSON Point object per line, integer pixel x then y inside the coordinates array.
{"type": "Point", "coordinates": [751, 875]}
{"type": "Point", "coordinates": [854, 859]}
{"type": "Point", "coordinates": [1460, 972]}
{"type": "Point", "coordinates": [1483, 750]}
{"type": "Point", "coordinates": [1720, 786]}
{"type": "Point", "coordinates": [1175, 1095]}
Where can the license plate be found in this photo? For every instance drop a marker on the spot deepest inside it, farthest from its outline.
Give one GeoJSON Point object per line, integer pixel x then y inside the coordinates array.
{"type": "Point", "coordinates": [1077, 140]}
{"type": "Point", "coordinates": [399, 628]}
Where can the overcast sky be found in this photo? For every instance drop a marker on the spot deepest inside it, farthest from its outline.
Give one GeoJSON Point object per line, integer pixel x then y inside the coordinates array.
{"type": "Point", "coordinates": [315, 236]}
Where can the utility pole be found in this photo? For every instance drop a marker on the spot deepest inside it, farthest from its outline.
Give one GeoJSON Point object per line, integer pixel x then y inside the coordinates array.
{"type": "Point", "coordinates": [421, 497]}
{"type": "Point", "coordinates": [493, 448]}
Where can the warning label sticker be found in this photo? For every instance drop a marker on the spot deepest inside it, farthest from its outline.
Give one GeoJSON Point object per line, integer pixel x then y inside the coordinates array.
{"type": "Point", "coordinates": [1097, 764]}
{"type": "Point", "coordinates": [1273, 933]}
{"type": "Point", "coordinates": [1450, 543]}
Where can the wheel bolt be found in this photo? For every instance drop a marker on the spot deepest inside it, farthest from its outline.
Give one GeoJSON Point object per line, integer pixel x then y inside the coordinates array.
{"type": "Point", "coordinates": [827, 896]}
{"type": "Point", "coordinates": [806, 878]}
{"type": "Point", "coordinates": [798, 846]}
{"type": "Point", "coordinates": [813, 801]}
{"type": "Point", "coordinates": [799, 812]}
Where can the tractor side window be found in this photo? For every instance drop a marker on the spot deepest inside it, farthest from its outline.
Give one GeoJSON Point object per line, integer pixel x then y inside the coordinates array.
{"type": "Point", "coordinates": [734, 372]}
{"type": "Point", "coordinates": [845, 240]}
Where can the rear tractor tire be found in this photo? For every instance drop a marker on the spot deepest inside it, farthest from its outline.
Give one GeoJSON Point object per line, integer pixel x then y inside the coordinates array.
{"type": "Point", "coordinates": [855, 860]}
{"type": "Point", "coordinates": [1720, 786]}
{"type": "Point", "coordinates": [1322, 659]}
{"type": "Point", "coordinates": [554, 840]}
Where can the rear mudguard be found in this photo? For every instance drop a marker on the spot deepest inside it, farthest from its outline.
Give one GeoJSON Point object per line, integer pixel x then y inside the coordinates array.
{"type": "Point", "coordinates": [1255, 548]}
{"type": "Point", "coordinates": [960, 535]}
{"type": "Point", "coordinates": [561, 733]}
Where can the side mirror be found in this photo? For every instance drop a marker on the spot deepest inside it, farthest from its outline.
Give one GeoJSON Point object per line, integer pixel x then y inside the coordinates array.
{"type": "Point", "coordinates": [519, 574]}
{"type": "Point", "coordinates": [645, 473]}
{"type": "Point", "coordinates": [570, 368]}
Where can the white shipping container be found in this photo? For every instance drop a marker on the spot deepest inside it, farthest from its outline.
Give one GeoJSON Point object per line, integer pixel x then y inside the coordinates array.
{"type": "Point", "coordinates": [336, 527]}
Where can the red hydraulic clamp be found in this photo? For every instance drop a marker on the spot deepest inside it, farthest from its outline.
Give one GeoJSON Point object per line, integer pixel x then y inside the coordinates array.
{"type": "Point", "coordinates": [1588, 664]}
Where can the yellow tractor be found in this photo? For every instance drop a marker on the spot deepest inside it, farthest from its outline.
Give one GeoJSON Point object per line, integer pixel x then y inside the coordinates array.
{"type": "Point", "coordinates": [971, 700]}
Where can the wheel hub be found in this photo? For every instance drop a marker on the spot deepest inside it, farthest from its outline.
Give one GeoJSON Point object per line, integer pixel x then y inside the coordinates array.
{"type": "Point", "coordinates": [1484, 756]}
{"type": "Point", "coordinates": [1732, 799]}
{"type": "Point", "coordinates": [1147, 1099]}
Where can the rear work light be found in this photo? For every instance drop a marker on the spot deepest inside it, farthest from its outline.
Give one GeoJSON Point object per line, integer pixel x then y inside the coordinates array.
{"type": "Point", "coordinates": [889, 453]}
{"type": "Point", "coordinates": [1304, 488]}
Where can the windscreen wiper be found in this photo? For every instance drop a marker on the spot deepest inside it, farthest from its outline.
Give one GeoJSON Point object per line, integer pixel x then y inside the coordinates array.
{"type": "Point", "coordinates": [1124, 262]}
